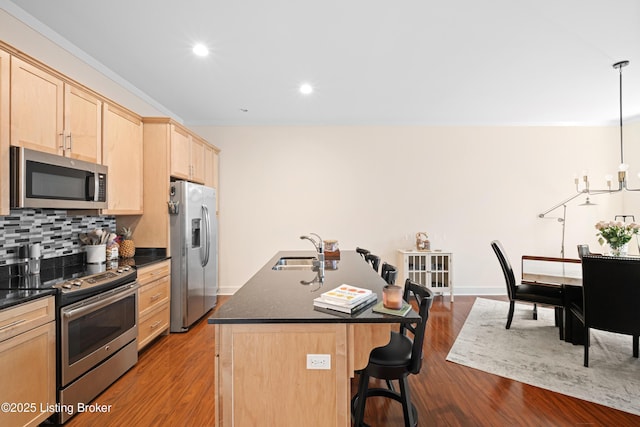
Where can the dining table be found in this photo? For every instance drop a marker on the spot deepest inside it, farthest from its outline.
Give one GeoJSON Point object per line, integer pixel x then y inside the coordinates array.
{"type": "Point", "coordinates": [565, 273]}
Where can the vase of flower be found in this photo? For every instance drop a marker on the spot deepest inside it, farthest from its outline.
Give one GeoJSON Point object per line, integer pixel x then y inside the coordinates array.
{"type": "Point", "coordinates": [617, 235]}
{"type": "Point", "coordinates": [622, 250]}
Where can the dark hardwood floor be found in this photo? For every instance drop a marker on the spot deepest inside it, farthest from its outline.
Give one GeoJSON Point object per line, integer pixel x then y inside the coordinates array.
{"type": "Point", "coordinates": [172, 385]}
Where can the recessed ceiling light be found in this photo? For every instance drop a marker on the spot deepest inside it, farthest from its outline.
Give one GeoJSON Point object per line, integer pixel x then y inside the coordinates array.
{"type": "Point", "coordinates": [200, 49]}
{"type": "Point", "coordinates": [306, 89]}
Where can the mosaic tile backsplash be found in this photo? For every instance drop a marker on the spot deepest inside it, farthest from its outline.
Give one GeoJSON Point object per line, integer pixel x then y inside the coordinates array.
{"type": "Point", "coordinates": [55, 230]}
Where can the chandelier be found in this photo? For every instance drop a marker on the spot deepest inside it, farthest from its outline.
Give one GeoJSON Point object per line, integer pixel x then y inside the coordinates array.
{"type": "Point", "coordinates": [582, 185]}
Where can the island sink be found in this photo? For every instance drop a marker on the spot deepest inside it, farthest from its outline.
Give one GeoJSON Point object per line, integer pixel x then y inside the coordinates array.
{"type": "Point", "coordinates": [295, 263]}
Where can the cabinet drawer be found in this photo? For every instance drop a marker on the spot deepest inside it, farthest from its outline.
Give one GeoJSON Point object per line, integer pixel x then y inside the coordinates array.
{"type": "Point", "coordinates": [153, 324]}
{"type": "Point", "coordinates": [153, 295]}
{"type": "Point", "coordinates": [21, 318]}
{"type": "Point", "coordinates": [150, 273]}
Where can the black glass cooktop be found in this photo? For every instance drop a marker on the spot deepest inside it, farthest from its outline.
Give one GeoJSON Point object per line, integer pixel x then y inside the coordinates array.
{"type": "Point", "coordinates": [52, 272]}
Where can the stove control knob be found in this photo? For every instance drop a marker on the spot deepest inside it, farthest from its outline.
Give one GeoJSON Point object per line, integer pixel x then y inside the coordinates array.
{"type": "Point", "coordinates": [77, 283]}
{"type": "Point", "coordinates": [66, 285]}
{"type": "Point", "coordinates": [119, 270]}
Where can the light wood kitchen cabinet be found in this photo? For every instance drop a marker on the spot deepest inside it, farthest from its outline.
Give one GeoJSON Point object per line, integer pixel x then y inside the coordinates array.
{"type": "Point", "coordinates": [28, 361]}
{"type": "Point", "coordinates": [197, 159]}
{"type": "Point", "coordinates": [161, 137]}
{"type": "Point", "coordinates": [187, 153]}
{"type": "Point", "coordinates": [154, 301]}
{"type": "Point", "coordinates": [4, 132]}
{"type": "Point", "coordinates": [122, 153]}
{"type": "Point", "coordinates": [180, 143]}
{"type": "Point", "coordinates": [48, 114]}
{"type": "Point", "coordinates": [211, 166]}
{"type": "Point", "coordinates": [83, 125]}
{"type": "Point", "coordinates": [37, 108]}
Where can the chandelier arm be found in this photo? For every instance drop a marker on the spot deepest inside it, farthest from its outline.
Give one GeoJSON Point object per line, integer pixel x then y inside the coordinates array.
{"type": "Point", "coordinates": [596, 192]}
{"type": "Point", "coordinates": [622, 184]}
{"type": "Point", "coordinates": [562, 203]}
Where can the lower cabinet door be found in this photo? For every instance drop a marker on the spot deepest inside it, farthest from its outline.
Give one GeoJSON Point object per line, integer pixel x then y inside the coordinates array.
{"type": "Point", "coordinates": [28, 376]}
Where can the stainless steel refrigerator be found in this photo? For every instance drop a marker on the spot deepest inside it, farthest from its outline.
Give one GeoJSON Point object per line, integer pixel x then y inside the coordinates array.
{"type": "Point", "coordinates": [194, 253]}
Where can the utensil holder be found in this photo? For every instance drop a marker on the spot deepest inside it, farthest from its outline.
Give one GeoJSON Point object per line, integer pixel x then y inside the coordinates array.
{"type": "Point", "coordinates": [96, 254]}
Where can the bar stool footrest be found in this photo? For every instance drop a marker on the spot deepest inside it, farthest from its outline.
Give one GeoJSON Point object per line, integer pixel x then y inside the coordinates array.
{"type": "Point", "coordinates": [383, 392]}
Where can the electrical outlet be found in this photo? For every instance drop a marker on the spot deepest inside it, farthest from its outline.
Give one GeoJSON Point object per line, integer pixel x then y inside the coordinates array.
{"type": "Point", "coordinates": [318, 361]}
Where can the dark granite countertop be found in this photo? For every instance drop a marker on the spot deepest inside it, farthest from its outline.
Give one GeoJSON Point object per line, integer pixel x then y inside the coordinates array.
{"type": "Point", "coordinates": [146, 256]}
{"type": "Point", "coordinates": [272, 296]}
{"type": "Point", "coordinates": [143, 261]}
{"type": "Point", "coordinates": [10, 298]}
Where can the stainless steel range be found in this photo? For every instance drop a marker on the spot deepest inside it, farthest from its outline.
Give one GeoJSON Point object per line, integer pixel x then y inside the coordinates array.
{"type": "Point", "coordinates": [97, 320]}
{"type": "Point", "coordinates": [96, 328]}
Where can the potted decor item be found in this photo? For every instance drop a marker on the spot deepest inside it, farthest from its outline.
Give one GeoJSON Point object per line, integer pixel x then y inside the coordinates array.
{"type": "Point", "coordinates": [617, 235]}
{"type": "Point", "coordinates": [127, 246]}
{"type": "Point", "coordinates": [422, 242]}
{"type": "Point", "coordinates": [94, 243]}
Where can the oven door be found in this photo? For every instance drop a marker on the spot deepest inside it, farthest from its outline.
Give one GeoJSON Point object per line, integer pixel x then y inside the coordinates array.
{"type": "Point", "coordinates": [95, 328]}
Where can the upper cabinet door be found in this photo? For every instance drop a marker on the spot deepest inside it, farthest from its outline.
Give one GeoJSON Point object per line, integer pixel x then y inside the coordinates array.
{"type": "Point", "coordinates": [180, 153]}
{"type": "Point", "coordinates": [83, 125]}
{"type": "Point", "coordinates": [209, 166]}
{"type": "Point", "coordinates": [4, 132]}
{"type": "Point", "coordinates": [36, 108]}
{"type": "Point", "coordinates": [197, 160]}
{"type": "Point", "coordinates": [122, 154]}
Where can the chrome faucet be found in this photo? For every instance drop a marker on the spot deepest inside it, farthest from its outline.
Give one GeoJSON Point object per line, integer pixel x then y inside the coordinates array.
{"type": "Point", "coordinates": [318, 244]}
{"type": "Point", "coordinates": [319, 264]}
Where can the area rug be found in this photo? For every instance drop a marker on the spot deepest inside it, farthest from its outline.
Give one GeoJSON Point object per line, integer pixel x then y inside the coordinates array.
{"type": "Point", "coordinates": [532, 353]}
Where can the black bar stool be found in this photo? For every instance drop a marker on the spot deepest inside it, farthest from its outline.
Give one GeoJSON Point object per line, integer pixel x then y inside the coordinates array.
{"type": "Point", "coordinates": [363, 252]}
{"type": "Point", "coordinates": [374, 260]}
{"type": "Point", "coordinates": [396, 361]}
{"type": "Point", "coordinates": [388, 273]}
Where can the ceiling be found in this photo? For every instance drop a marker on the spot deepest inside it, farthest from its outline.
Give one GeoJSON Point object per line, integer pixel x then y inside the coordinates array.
{"type": "Point", "coordinates": [371, 62]}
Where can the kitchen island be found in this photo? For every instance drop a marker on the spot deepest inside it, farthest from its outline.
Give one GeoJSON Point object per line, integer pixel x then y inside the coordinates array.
{"type": "Point", "coordinates": [267, 329]}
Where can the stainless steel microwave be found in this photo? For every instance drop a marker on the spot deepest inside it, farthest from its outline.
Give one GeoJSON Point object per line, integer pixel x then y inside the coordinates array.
{"type": "Point", "coordinates": [43, 180]}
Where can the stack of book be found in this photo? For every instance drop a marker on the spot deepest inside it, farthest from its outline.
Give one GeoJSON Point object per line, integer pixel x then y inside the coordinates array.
{"type": "Point", "coordinates": [346, 299]}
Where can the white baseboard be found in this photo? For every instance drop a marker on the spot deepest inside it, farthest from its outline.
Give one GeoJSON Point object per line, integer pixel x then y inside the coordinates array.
{"type": "Point", "coordinates": [228, 290]}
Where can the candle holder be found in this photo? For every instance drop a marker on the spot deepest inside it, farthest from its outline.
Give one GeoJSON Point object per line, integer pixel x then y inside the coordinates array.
{"type": "Point", "coordinates": [392, 297]}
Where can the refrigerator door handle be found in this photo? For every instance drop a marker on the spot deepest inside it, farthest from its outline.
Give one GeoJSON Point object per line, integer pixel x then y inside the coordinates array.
{"type": "Point", "coordinates": [207, 233]}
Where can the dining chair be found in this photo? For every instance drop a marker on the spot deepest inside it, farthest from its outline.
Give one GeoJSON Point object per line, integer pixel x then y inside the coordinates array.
{"type": "Point", "coordinates": [610, 295]}
{"type": "Point", "coordinates": [535, 293]}
{"type": "Point", "coordinates": [401, 357]}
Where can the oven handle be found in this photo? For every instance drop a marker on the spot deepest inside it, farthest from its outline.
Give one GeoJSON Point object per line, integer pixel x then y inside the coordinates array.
{"type": "Point", "coordinates": [101, 301]}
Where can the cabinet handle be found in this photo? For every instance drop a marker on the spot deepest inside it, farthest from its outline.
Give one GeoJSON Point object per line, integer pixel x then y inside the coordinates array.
{"type": "Point", "coordinates": [155, 297]}
{"type": "Point", "coordinates": [70, 141]}
{"type": "Point", "coordinates": [62, 140]}
{"type": "Point", "coordinates": [155, 325]}
{"type": "Point", "coordinates": [12, 324]}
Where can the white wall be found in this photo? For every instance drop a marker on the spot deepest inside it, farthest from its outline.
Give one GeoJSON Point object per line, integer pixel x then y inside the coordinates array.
{"type": "Point", "coordinates": [376, 187]}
